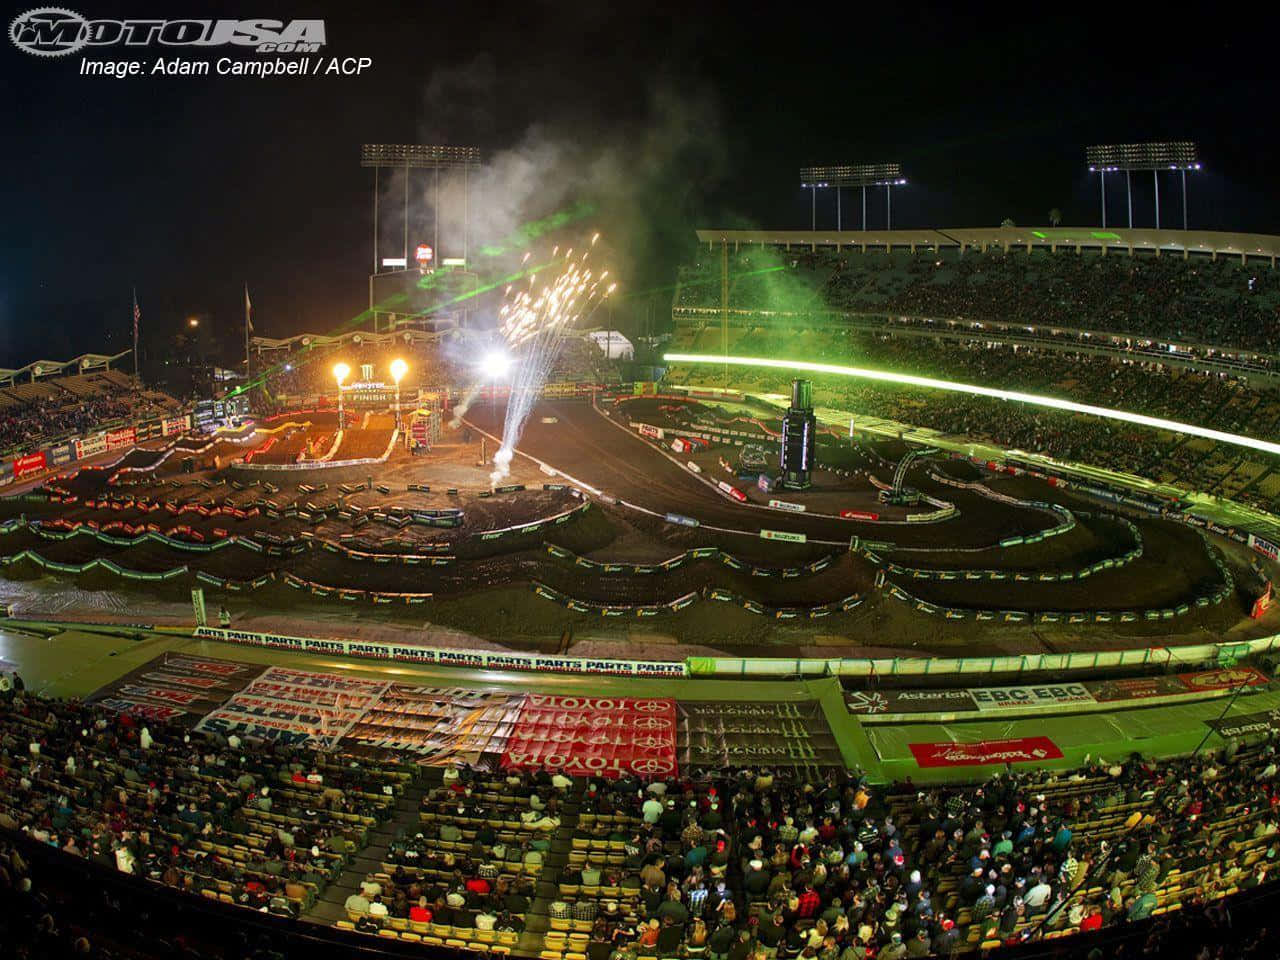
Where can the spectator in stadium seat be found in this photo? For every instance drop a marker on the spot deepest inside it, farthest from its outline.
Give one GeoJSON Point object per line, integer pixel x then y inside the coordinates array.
{"type": "Point", "coordinates": [357, 903]}
{"type": "Point", "coordinates": [1140, 907]}
{"type": "Point", "coordinates": [894, 949]}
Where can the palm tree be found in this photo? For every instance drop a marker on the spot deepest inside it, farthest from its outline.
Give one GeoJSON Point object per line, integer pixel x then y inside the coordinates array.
{"type": "Point", "coordinates": [1055, 217]}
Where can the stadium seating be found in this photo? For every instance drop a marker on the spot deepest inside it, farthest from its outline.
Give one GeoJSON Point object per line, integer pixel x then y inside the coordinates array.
{"type": "Point", "coordinates": [1205, 399]}
{"type": "Point", "coordinates": [45, 410]}
{"type": "Point", "coordinates": [744, 861]}
{"type": "Point", "coordinates": [1220, 303]}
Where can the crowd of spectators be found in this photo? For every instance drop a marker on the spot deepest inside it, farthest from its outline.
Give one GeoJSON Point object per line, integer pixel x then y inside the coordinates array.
{"type": "Point", "coordinates": [26, 424]}
{"type": "Point", "coordinates": [32, 413]}
{"type": "Point", "coordinates": [267, 827]}
{"type": "Point", "coordinates": [470, 868]}
{"type": "Point", "coordinates": [1220, 303]}
{"type": "Point", "coordinates": [762, 864]}
{"type": "Point", "coordinates": [751, 864]}
{"type": "Point", "coordinates": [1211, 400]}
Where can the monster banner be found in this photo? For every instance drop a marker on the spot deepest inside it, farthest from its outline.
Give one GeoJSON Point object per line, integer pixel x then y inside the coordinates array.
{"type": "Point", "coordinates": [717, 735]}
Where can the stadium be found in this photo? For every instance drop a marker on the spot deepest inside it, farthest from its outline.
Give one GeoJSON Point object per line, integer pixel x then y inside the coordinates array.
{"type": "Point", "coordinates": [901, 593]}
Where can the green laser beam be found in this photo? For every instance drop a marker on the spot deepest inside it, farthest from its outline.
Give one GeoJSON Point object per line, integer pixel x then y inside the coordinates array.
{"type": "Point", "coordinates": [1053, 403]}
{"type": "Point", "coordinates": [687, 284]}
{"type": "Point", "coordinates": [525, 233]}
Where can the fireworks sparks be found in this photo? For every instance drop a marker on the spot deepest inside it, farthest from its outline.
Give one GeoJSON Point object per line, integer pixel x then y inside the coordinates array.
{"type": "Point", "coordinates": [533, 322]}
{"type": "Point", "coordinates": [546, 311]}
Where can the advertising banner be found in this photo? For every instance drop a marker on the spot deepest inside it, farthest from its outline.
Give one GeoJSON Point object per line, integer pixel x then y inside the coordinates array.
{"type": "Point", "coordinates": [859, 515]}
{"type": "Point", "coordinates": [1013, 750]}
{"type": "Point", "coordinates": [1249, 725]}
{"type": "Point", "coordinates": [1005, 699]}
{"type": "Point", "coordinates": [174, 686]}
{"type": "Point", "coordinates": [719, 735]}
{"type": "Point", "coordinates": [442, 726]}
{"type": "Point", "coordinates": [119, 439]}
{"type": "Point", "coordinates": [1223, 679]}
{"type": "Point", "coordinates": [786, 505]}
{"type": "Point", "coordinates": [60, 453]}
{"type": "Point", "coordinates": [91, 446]}
{"type": "Point", "coordinates": [296, 706]}
{"type": "Point", "coordinates": [871, 702]}
{"type": "Point", "coordinates": [29, 464]}
{"type": "Point", "coordinates": [171, 426]}
{"type": "Point", "coordinates": [648, 430]}
{"type": "Point", "coordinates": [1134, 688]}
{"type": "Point", "coordinates": [1264, 547]}
{"type": "Point", "coordinates": [482, 660]}
{"type": "Point", "coordinates": [782, 535]}
{"type": "Point", "coordinates": [6, 472]}
{"type": "Point", "coordinates": [594, 736]}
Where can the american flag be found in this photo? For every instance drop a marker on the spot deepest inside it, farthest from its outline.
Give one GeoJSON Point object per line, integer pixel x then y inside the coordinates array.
{"type": "Point", "coordinates": [137, 315]}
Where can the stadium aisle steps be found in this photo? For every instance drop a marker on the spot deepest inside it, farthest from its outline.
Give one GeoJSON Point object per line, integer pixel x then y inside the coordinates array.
{"type": "Point", "coordinates": [537, 919]}
{"type": "Point", "coordinates": [331, 906]}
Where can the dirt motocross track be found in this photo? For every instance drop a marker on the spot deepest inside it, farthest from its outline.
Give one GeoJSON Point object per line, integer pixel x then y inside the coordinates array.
{"type": "Point", "coordinates": [749, 594]}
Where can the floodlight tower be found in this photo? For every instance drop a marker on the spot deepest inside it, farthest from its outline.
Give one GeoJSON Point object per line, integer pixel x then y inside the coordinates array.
{"type": "Point", "coordinates": [416, 156]}
{"type": "Point", "coordinates": [887, 175]}
{"type": "Point", "coordinates": [1178, 155]}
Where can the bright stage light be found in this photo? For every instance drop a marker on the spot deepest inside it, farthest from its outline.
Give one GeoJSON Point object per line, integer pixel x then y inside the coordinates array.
{"type": "Point", "coordinates": [340, 372]}
{"type": "Point", "coordinates": [495, 365]}
{"type": "Point", "coordinates": [911, 380]}
{"type": "Point", "coordinates": [398, 369]}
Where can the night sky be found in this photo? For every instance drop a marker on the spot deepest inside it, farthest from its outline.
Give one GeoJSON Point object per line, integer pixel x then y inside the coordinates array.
{"type": "Point", "coordinates": [666, 118]}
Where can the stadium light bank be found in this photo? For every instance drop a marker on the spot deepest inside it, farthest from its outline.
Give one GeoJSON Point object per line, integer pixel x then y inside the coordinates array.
{"type": "Point", "coordinates": [910, 380]}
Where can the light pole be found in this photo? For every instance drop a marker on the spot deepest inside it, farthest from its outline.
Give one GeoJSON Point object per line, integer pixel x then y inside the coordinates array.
{"type": "Point", "coordinates": [1179, 155]}
{"type": "Point", "coordinates": [340, 373]}
{"type": "Point", "coordinates": [398, 370]}
{"type": "Point", "coordinates": [861, 175]}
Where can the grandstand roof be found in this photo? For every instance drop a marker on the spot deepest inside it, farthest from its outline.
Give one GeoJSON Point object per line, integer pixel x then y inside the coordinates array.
{"type": "Point", "coordinates": [49, 368]}
{"type": "Point", "coordinates": [362, 336]}
{"type": "Point", "coordinates": [1193, 241]}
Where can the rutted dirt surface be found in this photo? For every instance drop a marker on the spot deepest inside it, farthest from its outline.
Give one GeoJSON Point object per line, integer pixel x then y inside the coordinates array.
{"type": "Point", "coordinates": [487, 588]}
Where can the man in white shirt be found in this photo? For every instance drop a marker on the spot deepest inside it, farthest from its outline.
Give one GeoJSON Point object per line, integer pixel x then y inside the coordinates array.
{"type": "Point", "coordinates": [1038, 895]}
{"type": "Point", "coordinates": [652, 810]}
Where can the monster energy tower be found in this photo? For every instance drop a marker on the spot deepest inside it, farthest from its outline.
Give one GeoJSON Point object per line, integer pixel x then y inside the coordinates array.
{"type": "Point", "coordinates": [798, 448]}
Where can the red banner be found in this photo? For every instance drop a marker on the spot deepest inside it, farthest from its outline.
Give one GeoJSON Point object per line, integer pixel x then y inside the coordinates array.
{"type": "Point", "coordinates": [1016, 750]}
{"type": "Point", "coordinates": [1223, 679]}
{"type": "Point", "coordinates": [859, 515]}
{"type": "Point", "coordinates": [29, 464]}
{"type": "Point", "coordinates": [595, 736]}
{"type": "Point", "coordinates": [125, 437]}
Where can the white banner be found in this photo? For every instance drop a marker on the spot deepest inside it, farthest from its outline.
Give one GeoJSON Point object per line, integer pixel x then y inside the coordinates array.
{"type": "Point", "coordinates": [91, 446]}
{"type": "Point", "coordinates": [1003, 699]}
{"type": "Point", "coordinates": [476, 660]}
{"type": "Point", "coordinates": [173, 425]}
